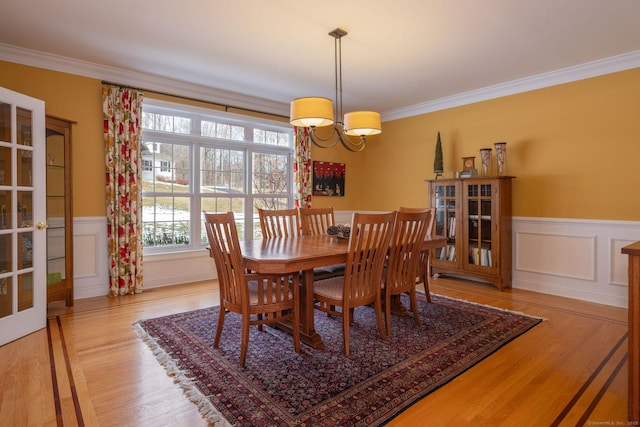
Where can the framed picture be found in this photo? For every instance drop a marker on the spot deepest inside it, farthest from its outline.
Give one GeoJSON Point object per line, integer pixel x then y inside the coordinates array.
{"type": "Point", "coordinates": [328, 179]}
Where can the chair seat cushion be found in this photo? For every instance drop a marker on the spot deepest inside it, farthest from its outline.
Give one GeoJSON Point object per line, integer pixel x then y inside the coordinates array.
{"type": "Point", "coordinates": [329, 288]}
{"type": "Point", "coordinates": [328, 271]}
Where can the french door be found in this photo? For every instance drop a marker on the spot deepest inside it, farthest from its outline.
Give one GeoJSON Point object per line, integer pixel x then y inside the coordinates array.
{"type": "Point", "coordinates": [23, 292]}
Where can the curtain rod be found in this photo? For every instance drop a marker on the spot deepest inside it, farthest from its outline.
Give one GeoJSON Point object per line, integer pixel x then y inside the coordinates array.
{"type": "Point", "coordinates": [188, 98]}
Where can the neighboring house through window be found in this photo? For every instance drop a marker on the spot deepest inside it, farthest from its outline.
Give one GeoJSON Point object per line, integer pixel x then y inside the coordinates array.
{"type": "Point", "coordinates": [196, 160]}
{"type": "Point", "coordinates": [147, 165]}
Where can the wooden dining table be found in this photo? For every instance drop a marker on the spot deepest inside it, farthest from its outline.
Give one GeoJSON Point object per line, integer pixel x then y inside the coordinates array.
{"type": "Point", "coordinates": [292, 255]}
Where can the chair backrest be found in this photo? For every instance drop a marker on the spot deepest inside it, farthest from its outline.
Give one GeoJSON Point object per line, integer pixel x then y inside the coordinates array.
{"type": "Point", "coordinates": [316, 220]}
{"type": "Point", "coordinates": [408, 236]}
{"type": "Point", "coordinates": [279, 223]}
{"type": "Point", "coordinates": [430, 228]}
{"type": "Point", "coordinates": [225, 250]}
{"type": "Point", "coordinates": [368, 246]}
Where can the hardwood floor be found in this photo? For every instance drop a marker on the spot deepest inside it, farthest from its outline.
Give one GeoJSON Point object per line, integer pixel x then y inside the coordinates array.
{"type": "Point", "coordinates": [89, 368]}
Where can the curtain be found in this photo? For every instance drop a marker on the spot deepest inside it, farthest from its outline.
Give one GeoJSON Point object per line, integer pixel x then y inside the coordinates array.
{"type": "Point", "coordinates": [302, 168]}
{"type": "Point", "coordinates": [122, 113]}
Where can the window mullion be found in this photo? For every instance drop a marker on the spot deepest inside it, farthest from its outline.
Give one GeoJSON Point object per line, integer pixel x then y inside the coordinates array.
{"type": "Point", "coordinates": [196, 202]}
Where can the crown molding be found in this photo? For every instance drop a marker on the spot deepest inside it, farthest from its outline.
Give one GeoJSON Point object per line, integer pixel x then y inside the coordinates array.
{"type": "Point", "coordinates": [180, 88]}
{"type": "Point", "coordinates": [600, 67]}
{"type": "Point", "coordinates": [151, 82]}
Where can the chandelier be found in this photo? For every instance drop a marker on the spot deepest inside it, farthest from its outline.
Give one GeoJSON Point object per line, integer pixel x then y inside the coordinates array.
{"type": "Point", "coordinates": [316, 112]}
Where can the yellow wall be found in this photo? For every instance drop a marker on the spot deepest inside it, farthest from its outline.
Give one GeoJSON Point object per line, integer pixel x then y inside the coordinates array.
{"type": "Point", "coordinates": [572, 147]}
{"type": "Point", "coordinates": [73, 98]}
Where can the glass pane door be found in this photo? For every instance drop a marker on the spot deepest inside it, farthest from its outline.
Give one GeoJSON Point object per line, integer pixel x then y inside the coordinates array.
{"type": "Point", "coordinates": [22, 291]}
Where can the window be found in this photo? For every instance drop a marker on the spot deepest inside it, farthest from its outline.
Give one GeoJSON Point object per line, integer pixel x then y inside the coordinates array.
{"type": "Point", "coordinates": [196, 160]}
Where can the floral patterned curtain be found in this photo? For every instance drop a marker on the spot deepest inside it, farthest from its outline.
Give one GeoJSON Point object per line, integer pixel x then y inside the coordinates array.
{"type": "Point", "coordinates": [122, 113]}
{"type": "Point", "coordinates": [302, 168]}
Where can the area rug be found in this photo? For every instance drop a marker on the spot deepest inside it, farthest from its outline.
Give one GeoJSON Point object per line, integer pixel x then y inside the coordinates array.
{"type": "Point", "coordinates": [279, 387]}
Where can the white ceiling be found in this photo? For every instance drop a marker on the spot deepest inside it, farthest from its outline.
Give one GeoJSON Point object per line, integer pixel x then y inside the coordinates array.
{"type": "Point", "coordinates": [397, 53]}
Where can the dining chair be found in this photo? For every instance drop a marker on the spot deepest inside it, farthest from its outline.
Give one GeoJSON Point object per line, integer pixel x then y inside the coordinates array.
{"type": "Point", "coordinates": [279, 223]}
{"type": "Point", "coordinates": [258, 298]}
{"type": "Point", "coordinates": [360, 285]}
{"type": "Point", "coordinates": [315, 221]}
{"type": "Point", "coordinates": [424, 267]}
{"type": "Point", "coordinates": [403, 261]}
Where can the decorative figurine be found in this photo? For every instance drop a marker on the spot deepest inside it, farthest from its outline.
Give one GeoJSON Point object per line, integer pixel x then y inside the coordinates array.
{"type": "Point", "coordinates": [438, 167]}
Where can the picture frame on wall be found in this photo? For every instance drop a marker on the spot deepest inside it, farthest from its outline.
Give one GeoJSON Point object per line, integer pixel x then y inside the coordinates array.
{"type": "Point", "coordinates": [328, 179]}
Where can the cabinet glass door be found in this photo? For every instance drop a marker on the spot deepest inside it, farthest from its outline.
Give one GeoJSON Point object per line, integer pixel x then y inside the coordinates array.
{"type": "Point", "coordinates": [59, 215]}
{"type": "Point", "coordinates": [444, 200]}
{"type": "Point", "coordinates": [479, 249]}
{"type": "Point", "coordinates": [55, 209]}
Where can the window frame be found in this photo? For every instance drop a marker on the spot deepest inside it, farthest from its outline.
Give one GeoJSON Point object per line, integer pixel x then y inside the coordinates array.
{"type": "Point", "coordinates": [195, 141]}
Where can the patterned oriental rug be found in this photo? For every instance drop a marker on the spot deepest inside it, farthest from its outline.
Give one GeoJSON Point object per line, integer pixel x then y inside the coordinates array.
{"type": "Point", "coordinates": [279, 387]}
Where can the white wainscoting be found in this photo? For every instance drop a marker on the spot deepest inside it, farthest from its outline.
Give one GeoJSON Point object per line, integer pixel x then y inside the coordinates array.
{"type": "Point", "coordinates": [90, 268]}
{"type": "Point", "coordinates": [572, 258]}
{"type": "Point", "coordinates": [90, 262]}
{"type": "Point", "coordinates": [179, 267]}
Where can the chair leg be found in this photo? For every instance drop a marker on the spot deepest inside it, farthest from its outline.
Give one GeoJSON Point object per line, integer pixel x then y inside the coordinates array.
{"type": "Point", "coordinates": [345, 330]}
{"type": "Point", "coordinates": [378, 306]}
{"type": "Point", "coordinates": [427, 274]}
{"type": "Point", "coordinates": [216, 340]}
{"type": "Point", "coordinates": [387, 311]}
{"type": "Point", "coordinates": [296, 330]}
{"type": "Point", "coordinates": [414, 304]}
{"type": "Point", "coordinates": [244, 343]}
{"type": "Point", "coordinates": [426, 291]}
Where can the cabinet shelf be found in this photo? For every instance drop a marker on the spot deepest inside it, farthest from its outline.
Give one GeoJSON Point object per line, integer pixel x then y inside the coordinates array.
{"type": "Point", "coordinates": [482, 217]}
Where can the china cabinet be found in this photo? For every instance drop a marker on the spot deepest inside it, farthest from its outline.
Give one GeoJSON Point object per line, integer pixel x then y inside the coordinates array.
{"type": "Point", "coordinates": [59, 211]}
{"type": "Point", "coordinates": [474, 214]}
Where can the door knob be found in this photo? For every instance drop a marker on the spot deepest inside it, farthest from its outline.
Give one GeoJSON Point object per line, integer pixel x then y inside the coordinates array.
{"type": "Point", "coordinates": [42, 225]}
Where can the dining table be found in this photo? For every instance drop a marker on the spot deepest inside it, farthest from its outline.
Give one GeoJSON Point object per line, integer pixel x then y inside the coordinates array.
{"type": "Point", "coordinates": [300, 255]}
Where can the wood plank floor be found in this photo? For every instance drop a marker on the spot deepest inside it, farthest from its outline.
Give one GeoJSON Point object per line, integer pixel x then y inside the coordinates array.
{"type": "Point", "coordinates": [88, 367]}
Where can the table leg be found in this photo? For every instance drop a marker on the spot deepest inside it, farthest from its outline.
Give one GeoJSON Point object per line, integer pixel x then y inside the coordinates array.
{"type": "Point", "coordinates": [308, 334]}
{"type": "Point", "coordinates": [397, 308]}
{"type": "Point", "coordinates": [307, 328]}
{"type": "Point", "coordinates": [396, 304]}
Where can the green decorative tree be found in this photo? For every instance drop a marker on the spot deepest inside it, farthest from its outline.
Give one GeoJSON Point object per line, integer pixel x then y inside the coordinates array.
{"type": "Point", "coordinates": [438, 167]}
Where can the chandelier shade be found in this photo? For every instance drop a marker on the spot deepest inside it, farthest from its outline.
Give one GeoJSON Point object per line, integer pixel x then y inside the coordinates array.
{"type": "Point", "coordinates": [362, 123]}
{"type": "Point", "coordinates": [311, 112]}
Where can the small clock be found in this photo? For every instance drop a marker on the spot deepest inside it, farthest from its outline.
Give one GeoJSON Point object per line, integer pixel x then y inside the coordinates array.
{"type": "Point", "coordinates": [468, 164]}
